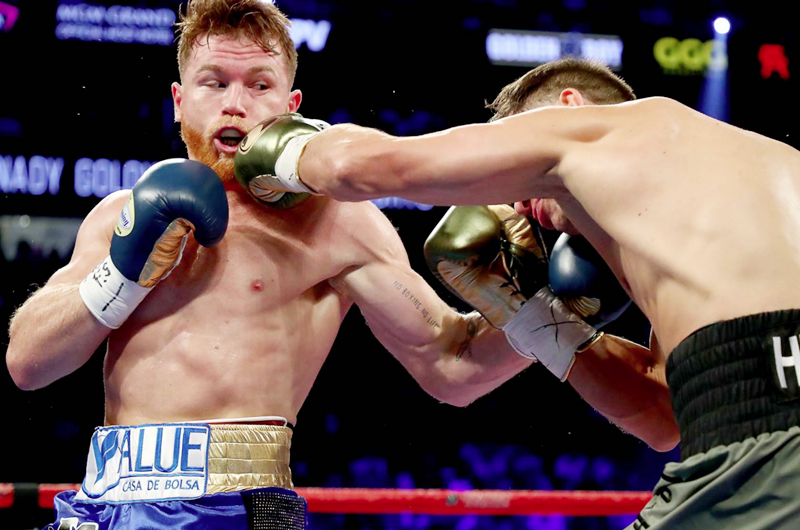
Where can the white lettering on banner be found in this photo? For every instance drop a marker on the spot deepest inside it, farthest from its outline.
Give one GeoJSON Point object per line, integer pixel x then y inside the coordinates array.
{"type": "Point", "coordinates": [531, 48]}
{"type": "Point", "coordinates": [128, 24]}
{"type": "Point", "coordinates": [84, 13]}
{"type": "Point", "coordinates": [35, 176]}
{"type": "Point", "coordinates": [608, 51]}
{"type": "Point", "coordinates": [504, 47]}
{"type": "Point", "coordinates": [160, 36]}
{"type": "Point", "coordinates": [148, 462]}
{"type": "Point", "coordinates": [116, 15]}
{"type": "Point", "coordinates": [42, 174]}
{"type": "Point", "coordinates": [101, 177]}
{"type": "Point", "coordinates": [132, 16]}
{"type": "Point", "coordinates": [311, 32]}
{"type": "Point", "coordinates": [79, 32]}
{"type": "Point", "coordinates": [117, 23]}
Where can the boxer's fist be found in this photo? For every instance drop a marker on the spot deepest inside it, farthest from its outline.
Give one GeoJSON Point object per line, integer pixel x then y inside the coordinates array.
{"type": "Point", "coordinates": [580, 277]}
{"type": "Point", "coordinates": [266, 162]}
{"type": "Point", "coordinates": [171, 199]}
{"type": "Point", "coordinates": [490, 257]}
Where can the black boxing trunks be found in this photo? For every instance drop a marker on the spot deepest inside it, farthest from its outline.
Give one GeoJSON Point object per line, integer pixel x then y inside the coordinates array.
{"type": "Point", "coordinates": [735, 389]}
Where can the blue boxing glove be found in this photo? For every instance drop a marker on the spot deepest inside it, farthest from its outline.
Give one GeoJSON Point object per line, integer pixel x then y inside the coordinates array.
{"type": "Point", "coordinates": [172, 199]}
{"type": "Point", "coordinates": [585, 283]}
{"type": "Point", "coordinates": [583, 296]}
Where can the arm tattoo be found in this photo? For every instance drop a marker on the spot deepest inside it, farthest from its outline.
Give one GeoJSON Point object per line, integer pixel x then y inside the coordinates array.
{"type": "Point", "coordinates": [408, 295]}
{"type": "Point", "coordinates": [466, 344]}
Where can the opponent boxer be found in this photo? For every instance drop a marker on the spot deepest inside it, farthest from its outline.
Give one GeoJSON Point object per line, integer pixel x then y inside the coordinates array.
{"type": "Point", "coordinates": [696, 218]}
{"type": "Point", "coordinates": [213, 349]}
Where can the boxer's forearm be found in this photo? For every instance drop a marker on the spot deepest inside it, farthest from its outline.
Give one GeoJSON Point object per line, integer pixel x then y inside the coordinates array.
{"type": "Point", "coordinates": [347, 163]}
{"type": "Point", "coordinates": [478, 360]}
{"type": "Point", "coordinates": [473, 164]}
{"type": "Point", "coordinates": [51, 335]}
{"type": "Point", "coordinates": [621, 381]}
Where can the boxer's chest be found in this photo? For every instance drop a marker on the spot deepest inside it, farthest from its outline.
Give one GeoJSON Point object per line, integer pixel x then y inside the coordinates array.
{"type": "Point", "coordinates": [260, 264]}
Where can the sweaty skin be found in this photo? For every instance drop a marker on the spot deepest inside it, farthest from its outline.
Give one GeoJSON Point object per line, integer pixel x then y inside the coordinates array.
{"type": "Point", "coordinates": [242, 329]}
{"type": "Point", "coordinates": [697, 218]}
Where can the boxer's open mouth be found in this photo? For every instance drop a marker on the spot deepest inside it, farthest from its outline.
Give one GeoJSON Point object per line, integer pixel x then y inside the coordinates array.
{"type": "Point", "coordinates": [227, 139]}
{"type": "Point", "coordinates": [230, 136]}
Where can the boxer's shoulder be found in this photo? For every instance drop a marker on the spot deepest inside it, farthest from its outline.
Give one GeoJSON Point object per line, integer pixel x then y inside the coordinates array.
{"type": "Point", "coordinates": [109, 206]}
{"type": "Point", "coordinates": [100, 221]}
{"type": "Point", "coordinates": [363, 235]}
{"type": "Point", "coordinates": [366, 225]}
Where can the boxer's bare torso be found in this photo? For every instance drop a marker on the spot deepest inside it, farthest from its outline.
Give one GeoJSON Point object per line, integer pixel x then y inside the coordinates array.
{"type": "Point", "coordinates": [697, 218]}
{"type": "Point", "coordinates": [700, 220]}
{"type": "Point", "coordinates": [241, 329]}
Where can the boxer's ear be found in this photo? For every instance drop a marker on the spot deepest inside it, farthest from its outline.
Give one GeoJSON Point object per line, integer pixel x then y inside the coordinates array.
{"type": "Point", "coordinates": [570, 97]}
{"type": "Point", "coordinates": [176, 101]}
{"type": "Point", "coordinates": [295, 98]}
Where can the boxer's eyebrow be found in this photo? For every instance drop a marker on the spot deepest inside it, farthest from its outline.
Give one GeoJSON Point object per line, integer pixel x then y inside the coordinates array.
{"type": "Point", "coordinates": [260, 69]}
{"type": "Point", "coordinates": [250, 71]}
{"type": "Point", "coordinates": [209, 68]}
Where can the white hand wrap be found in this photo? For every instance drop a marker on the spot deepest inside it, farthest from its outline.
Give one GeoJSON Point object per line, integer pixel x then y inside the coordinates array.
{"type": "Point", "coordinates": [545, 330]}
{"type": "Point", "coordinates": [109, 295]}
{"type": "Point", "coordinates": [286, 165]}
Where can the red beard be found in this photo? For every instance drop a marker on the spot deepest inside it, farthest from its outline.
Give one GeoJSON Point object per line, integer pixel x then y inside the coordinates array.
{"type": "Point", "coordinates": [201, 146]}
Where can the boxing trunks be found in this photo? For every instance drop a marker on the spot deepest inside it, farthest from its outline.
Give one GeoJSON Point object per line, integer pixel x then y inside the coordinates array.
{"type": "Point", "coordinates": [186, 475]}
{"type": "Point", "coordinates": [735, 394]}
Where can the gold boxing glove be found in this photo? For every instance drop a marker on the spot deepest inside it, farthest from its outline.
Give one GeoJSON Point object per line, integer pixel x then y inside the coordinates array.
{"type": "Point", "coordinates": [488, 256]}
{"type": "Point", "coordinates": [266, 162]}
{"type": "Point", "coordinates": [492, 258]}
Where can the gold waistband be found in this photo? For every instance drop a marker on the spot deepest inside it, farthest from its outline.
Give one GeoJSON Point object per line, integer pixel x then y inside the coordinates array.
{"type": "Point", "coordinates": [243, 457]}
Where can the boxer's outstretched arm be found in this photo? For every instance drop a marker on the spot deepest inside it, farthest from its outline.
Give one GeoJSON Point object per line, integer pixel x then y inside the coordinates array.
{"type": "Point", "coordinates": [458, 358]}
{"type": "Point", "coordinates": [53, 333]}
{"type": "Point", "coordinates": [454, 357]}
{"type": "Point", "coordinates": [501, 162]}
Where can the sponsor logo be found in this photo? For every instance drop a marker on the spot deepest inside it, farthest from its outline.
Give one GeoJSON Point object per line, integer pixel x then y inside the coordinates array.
{"type": "Point", "coordinates": [690, 56]}
{"type": "Point", "coordinates": [73, 523]}
{"type": "Point", "coordinates": [532, 48]}
{"type": "Point", "coordinates": [126, 219]}
{"type": "Point", "coordinates": [773, 61]}
{"type": "Point", "coordinates": [147, 463]}
{"type": "Point", "coordinates": [248, 141]}
{"type": "Point", "coordinates": [787, 368]}
{"type": "Point", "coordinates": [116, 23]}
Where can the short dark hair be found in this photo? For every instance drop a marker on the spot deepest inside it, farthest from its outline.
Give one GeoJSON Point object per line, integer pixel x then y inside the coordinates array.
{"type": "Point", "coordinates": [542, 85]}
{"type": "Point", "coordinates": [257, 19]}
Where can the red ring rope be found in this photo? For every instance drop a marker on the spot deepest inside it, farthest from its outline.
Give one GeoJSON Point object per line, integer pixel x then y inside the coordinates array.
{"type": "Point", "coordinates": [432, 502]}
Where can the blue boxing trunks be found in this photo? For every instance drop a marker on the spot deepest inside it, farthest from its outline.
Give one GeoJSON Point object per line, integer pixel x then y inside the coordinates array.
{"type": "Point", "coordinates": [735, 389]}
{"type": "Point", "coordinates": [186, 475]}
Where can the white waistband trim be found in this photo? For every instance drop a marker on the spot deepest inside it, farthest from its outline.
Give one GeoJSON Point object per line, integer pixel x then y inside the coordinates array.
{"type": "Point", "coordinates": [242, 420]}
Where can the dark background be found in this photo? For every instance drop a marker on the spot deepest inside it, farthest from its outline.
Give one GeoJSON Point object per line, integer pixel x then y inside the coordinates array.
{"type": "Point", "coordinates": [407, 67]}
